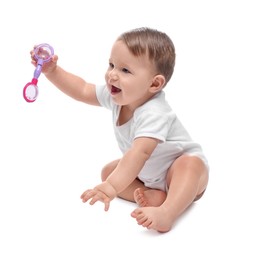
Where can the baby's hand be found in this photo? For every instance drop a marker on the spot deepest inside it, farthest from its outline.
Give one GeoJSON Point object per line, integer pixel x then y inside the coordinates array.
{"type": "Point", "coordinates": [103, 192]}
{"type": "Point", "coordinates": [49, 66]}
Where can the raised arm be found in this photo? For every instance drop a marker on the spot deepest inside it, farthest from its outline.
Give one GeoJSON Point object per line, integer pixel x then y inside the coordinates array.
{"type": "Point", "coordinates": [72, 85]}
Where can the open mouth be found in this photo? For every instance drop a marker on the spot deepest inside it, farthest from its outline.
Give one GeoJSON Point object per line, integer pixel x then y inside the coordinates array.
{"type": "Point", "coordinates": [115, 90]}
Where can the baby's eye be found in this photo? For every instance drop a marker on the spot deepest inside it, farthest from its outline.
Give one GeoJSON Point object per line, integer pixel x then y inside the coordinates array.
{"type": "Point", "coordinates": [125, 70]}
{"type": "Point", "coordinates": [111, 65]}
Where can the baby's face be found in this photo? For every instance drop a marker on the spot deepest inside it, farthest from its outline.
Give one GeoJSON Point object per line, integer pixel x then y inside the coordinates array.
{"type": "Point", "coordinates": [128, 77]}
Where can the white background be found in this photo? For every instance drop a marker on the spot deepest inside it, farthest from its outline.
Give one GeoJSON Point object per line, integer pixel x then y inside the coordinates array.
{"type": "Point", "coordinates": [54, 149]}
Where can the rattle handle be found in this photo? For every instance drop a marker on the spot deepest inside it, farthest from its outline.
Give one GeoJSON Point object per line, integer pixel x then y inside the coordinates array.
{"type": "Point", "coordinates": [38, 69]}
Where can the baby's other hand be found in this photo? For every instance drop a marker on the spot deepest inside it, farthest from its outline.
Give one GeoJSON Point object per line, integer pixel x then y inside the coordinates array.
{"type": "Point", "coordinates": [95, 195]}
{"type": "Point", "coordinates": [103, 192]}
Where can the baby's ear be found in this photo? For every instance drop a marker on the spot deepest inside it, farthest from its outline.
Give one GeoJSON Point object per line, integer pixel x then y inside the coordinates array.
{"type": "Point", "coordinates": [157, 84]}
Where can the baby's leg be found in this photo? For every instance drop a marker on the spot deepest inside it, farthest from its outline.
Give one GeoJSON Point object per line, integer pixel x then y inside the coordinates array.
{"type": "Point", "coordinates": [127, 194]}
{"type": "Point", "coordinates": [187, 179]}
{"type": "Point", "coordinates": [149, 197]}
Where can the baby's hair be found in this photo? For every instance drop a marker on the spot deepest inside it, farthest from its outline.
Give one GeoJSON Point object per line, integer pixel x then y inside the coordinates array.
{"type": "Point", "coordinates": [155, 44]}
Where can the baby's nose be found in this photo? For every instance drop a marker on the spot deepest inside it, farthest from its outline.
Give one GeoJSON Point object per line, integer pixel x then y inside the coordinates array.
{"type": "Point", "coordinates": [113, 75]}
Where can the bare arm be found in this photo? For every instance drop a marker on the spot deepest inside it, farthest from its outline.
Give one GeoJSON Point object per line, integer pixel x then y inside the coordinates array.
{"type": "Point", "coordinates": [132, 162]}
{"type": "Point", "coordinates": [125, 173]}
{"type": "Point", "coordinates": [72, 85]}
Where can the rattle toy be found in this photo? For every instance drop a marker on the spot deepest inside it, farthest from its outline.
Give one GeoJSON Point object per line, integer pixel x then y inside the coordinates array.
{"type": "Point", "coordinates": [43, 53]}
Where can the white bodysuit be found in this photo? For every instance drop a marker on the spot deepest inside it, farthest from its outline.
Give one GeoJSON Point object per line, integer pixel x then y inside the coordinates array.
{"type": "Point", "coordinates": [154, 119]}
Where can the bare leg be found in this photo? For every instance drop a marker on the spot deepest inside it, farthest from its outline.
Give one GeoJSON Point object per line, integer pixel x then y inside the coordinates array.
{"type": "Point", "coordinates": [187, 179]}
{"type": "Point", "coordinates": [149, 197]}
{"type": "Point", "coordinates": [127, 194]}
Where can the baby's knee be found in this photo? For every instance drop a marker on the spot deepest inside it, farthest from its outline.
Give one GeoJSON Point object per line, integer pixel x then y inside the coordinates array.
{"type": "Point", "coordinates": [107, 169]}
{"type": "Point", "coordinates": [105, 172]}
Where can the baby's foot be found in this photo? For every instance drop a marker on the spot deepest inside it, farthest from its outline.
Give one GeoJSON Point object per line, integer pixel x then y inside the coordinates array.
{"type": "Point", "coordinates": [153, 218]}
{"type": "Point", "coordinates": [150, 197]}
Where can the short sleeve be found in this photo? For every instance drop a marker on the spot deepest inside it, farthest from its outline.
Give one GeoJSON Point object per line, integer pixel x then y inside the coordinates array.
{"type": "Point", "coordinates": [103, 96]}
{"type": "Point", "coordinates": [152, 124]}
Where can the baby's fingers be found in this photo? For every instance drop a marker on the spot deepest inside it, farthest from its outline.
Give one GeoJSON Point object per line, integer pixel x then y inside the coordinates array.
{"type": "Point", "coordinates": [87, 195]}
{"type": "Point", "coordinates": [96, 195]}
{"type": "Point", "coordinates": [100, 196]}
